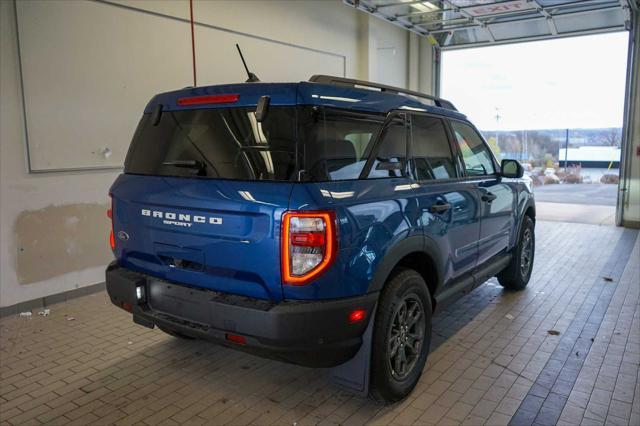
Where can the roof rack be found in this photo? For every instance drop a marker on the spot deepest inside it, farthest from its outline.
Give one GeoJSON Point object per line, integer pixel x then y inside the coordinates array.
{"type": "Point", "coordinates": [342, 81]}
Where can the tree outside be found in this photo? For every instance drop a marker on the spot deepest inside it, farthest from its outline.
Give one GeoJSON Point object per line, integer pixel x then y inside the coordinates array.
{"type": "Point", "coordinates": [493, 144]}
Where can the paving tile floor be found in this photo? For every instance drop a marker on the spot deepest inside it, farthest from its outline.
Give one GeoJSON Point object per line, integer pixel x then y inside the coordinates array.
{"type": "Point", "coordinates": [492, 361]}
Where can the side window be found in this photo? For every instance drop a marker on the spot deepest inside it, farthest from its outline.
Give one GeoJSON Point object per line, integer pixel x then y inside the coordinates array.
{"type": "Point", "coordinates": [475, 153]}
{"type": "Point", "coordinates": [390, 160]}
{"type": "Point", "coordinates": [336, 145]}
{"type": "Point", "coordinates": [431, 150]}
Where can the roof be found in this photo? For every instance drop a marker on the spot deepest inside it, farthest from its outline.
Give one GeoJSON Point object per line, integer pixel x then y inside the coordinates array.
{"type": "Point", "coordinates": [302, 93]}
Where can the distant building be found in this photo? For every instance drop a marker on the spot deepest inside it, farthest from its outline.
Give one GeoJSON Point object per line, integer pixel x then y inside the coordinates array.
{"type": "Point", "coordinates": [599, 157]}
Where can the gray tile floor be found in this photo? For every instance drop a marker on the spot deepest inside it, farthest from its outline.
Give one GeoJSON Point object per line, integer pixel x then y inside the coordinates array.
{"type": "Point", "coordinates": [493, 360]}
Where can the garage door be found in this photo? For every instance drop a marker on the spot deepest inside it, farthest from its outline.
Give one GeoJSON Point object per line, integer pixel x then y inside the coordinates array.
{"type": "Point", "coordinates": [466, 23]}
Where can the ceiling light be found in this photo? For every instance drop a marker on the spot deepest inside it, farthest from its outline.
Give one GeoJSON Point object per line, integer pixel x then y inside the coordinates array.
{"type": "Point", "coordinates": [424, 6]}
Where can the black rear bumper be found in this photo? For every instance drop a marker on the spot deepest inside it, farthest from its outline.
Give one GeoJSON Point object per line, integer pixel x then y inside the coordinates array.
{"type": "Point", "coordinates": [314, 334]}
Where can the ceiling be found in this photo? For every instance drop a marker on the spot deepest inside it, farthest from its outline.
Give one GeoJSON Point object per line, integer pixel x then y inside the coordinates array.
{"type": "Point", "coordinates": [451, 24]}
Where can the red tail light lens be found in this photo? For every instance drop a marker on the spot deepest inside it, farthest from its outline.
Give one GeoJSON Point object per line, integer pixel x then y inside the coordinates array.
{"type": "Point", "coordinates": [112, 237]}
{"type": "Point", "coordinates": [308, 245]}
{"type": "Point", "coordinates": [357, 315]}
{"type": "Point", "coordinates": [209, 99]}
{"type": "Point", "coordinates": [240, 340]}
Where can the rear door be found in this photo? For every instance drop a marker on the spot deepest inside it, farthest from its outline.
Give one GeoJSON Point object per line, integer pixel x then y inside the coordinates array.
{"type": "Point", "coordinates": [448, 206]}
{"type": "Point", "coordinates": [497, 196]}
{"type": "Point", "coordinates": [201, 198]}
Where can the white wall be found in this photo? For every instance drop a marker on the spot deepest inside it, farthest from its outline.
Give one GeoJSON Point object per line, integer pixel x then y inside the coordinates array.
{"type": "Point", "coordinates": [41, 214]}
{"type": "Point", "coordinates": [391, 53]}
{"type": "Point", "coordinates": [130, 65]}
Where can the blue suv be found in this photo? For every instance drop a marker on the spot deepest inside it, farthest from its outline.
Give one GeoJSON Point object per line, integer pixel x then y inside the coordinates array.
{"type": "Point", "coordinates": [290, 219]}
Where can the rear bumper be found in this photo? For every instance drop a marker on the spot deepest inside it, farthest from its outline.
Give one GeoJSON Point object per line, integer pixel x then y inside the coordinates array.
{"type": "Point", "coordinates": [315, 334]}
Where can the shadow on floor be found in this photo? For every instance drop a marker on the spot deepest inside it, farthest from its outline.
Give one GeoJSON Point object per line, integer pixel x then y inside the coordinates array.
{"type": "Point", "coordinates": [231, 383]}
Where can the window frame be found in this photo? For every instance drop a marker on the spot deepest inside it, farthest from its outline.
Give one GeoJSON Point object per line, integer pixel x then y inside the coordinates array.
{"type": "Point", "coordinates": [466, 176]}
{"type": "Point", "coordinates": [452, 149]}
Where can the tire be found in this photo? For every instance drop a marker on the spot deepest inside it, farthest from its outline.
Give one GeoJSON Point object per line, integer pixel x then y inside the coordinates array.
{"type": "Point", "coordinates": [175, 334]}
{"type": "Point", "coordinates": [517, 274]}
{"type": "Point", "coordinates": [391, 381]}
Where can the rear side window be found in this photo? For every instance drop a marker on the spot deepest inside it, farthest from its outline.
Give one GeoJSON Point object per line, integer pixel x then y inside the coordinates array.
{"type": "Point", "coordinates": [216, 143]}
{"type": "Point", "coordinates": [336, 143]}
{"type": "Point", "coordinates": [391, 157]}
{"type": "Point", "coordinates": [475, 153]}
{"type": "Point", "coordinates": [431, 150]}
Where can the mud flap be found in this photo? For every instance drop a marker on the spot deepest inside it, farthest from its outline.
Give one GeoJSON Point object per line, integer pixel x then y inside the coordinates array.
{"type": "Point", "coordinates": [354, 374]}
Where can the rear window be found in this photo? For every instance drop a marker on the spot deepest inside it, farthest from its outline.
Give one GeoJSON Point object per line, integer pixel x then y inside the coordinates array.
{"type": "Point", "coordinates": [216, 143]}
{"type": "Point", "coordinates": [307, 143]}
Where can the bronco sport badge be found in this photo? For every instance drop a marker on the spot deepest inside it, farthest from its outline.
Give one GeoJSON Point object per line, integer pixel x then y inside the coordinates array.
{"type": "Point", "coordinates": [181, 219]}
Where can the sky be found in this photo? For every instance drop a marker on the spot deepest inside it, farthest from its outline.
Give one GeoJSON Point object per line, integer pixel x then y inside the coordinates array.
{"type": "Point", "coordinates": [573, 82]}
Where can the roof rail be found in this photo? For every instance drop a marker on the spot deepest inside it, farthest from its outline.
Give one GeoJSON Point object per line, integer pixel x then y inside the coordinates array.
{"type": "Point", "coordinates": [342, 81]}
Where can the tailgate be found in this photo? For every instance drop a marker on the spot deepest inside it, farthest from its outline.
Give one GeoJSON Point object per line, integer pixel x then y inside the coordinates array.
{"type": "Point", "coordinates": [219, 235]}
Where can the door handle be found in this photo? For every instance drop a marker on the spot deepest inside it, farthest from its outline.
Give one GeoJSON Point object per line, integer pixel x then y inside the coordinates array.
{"type": "Point", "coordinates": [439, 207]}
{"type": "Point", "coordinates": [488, 197]}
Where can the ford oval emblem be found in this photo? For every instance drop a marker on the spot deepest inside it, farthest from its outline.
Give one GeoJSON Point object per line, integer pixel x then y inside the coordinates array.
{"type": "Point", "coordinates": [123, 235]}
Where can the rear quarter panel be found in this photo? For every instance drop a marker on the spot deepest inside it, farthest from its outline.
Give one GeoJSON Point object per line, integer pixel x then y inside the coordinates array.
{"type": "Point", "coordinates": [373, 216]}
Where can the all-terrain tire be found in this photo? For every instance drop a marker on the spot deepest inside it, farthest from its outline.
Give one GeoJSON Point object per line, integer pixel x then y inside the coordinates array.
{"type": "Point", "coordinates": [517, 274]}
{"type": "Point", "coordinates": [405, 291]}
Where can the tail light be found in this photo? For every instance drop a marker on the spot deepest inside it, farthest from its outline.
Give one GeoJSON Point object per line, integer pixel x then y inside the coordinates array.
{"type": "Point", "coordinates": [112, 237]}
{"type": "Point", "coordinates": [357, 315]}
{"type": "Point", "coordinates": [234, 338]}
{"type": "Point", "coordinates": [308, 245]}
{"type": "Point", "coordinates": [209, 99]}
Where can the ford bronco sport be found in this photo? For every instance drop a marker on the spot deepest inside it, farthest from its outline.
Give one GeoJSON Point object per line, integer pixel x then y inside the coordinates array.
{"type": "Point", "coordinates": [287, 219]}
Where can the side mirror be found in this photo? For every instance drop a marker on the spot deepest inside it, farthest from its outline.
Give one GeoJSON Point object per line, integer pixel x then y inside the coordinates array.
{"type": "Point", "coordinates": [511, 169]}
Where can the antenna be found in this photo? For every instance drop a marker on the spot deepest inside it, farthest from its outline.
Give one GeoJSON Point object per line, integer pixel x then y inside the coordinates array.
{"type": "Point", "coordinates": [252, 77]}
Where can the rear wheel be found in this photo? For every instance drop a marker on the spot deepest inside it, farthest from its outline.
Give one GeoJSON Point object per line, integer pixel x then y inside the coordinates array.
{"type": "Point", "coordinates": [516, 276]}
{"type": "Point", "coordinates": [401, 336]}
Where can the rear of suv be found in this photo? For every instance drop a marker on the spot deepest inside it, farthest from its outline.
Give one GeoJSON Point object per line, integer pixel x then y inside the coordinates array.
{"type": "Point", "coordinates": [286, 219]}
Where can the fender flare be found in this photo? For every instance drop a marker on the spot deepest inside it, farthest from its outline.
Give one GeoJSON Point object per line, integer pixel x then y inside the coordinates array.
{"type": "Point", "coordinates": [529, 203]}
{"type": "Point", "coordinates": [407, 246]}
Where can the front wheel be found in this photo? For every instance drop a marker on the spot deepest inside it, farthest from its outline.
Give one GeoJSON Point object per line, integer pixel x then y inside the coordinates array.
{"type": "Point", "coordinates": [516, 276]}
{"type": "Point", "coordinates": [401, 336]}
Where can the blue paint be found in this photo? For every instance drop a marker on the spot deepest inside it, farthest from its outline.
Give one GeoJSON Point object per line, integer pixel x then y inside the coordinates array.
{"type": "Point", "coordinates": [241, 253]}
{"type": "Point", "coordinates": [303, 93]}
